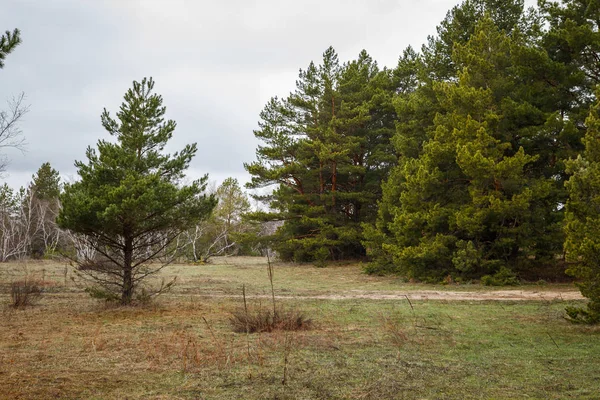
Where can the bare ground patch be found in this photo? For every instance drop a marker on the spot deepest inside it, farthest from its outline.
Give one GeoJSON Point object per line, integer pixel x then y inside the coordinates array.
{"type": "Point", "coordinates": [496, 295]}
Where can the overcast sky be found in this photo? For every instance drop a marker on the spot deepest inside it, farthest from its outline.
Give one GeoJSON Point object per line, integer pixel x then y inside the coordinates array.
{"type": "Point", "coordinates": [216, 63]}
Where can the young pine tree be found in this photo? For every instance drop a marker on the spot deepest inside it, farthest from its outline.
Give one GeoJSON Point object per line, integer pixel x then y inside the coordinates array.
{"type": "Point", "coordinates": [43, 205]}
{"type": "Point", "coordinates": [130, 203]}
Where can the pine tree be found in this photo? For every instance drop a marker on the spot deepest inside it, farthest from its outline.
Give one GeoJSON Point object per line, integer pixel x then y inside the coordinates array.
{"type": "Point", "coordinates": [46, 182]}
{"type": "Point", "coordinates": [326, 147]}
{"type": "Point", "coordinates": [417, 103]}
{"type": "Point", "coordinates": [572, 41]}
{"type": "Point", "coordinates": [232, 203]}
{"type": "Point", "coordinates": [43, 205]}
{"type": "Point", "coordinates": [458, 26]}
{"type": "Point", "coordinates": [13, 226]}
{"type": "Point", "coordinates": [582, 244]}
{"type": "Point", "coordinates": [477, 197]}
{"type": "Point", "coordinates": [130, 203]}
{"type": "Point", "coordinates": [573, 38]}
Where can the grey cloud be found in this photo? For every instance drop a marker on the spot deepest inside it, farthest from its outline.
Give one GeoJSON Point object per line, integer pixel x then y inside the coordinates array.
{"type": "Point", "coordinates": [215, 63]}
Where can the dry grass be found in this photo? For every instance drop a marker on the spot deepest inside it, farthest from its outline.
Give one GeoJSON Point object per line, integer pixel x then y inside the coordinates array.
{"type": "Point", "coordinates": [265, 320]}
{"type": "Point", "coordinates": [25, 292]}
{"type": "Point", "coordinates": [71, 347]}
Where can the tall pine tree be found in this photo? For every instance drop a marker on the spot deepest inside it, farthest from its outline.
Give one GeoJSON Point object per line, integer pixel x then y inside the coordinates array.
{"type": "Point", "coordinates": [477, 198]}
{"type": "Point", "coordinates": [583, 221]}
{"type": "Point", "coordinates": [326, 148]}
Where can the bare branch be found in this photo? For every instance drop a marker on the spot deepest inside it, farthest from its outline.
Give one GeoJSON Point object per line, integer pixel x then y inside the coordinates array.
{"type": "Point", "coordinates": [10, 133]}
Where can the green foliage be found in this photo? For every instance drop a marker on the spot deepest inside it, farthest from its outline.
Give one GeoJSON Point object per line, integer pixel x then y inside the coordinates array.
{"type": "Point", "coordinates": [42, 205]}
{"type": "Point", "coordinates": [9, 199]}
{"type": "Point", "coordinates": [230, 214]}
{"type": "Point", "coordinates": [573, 39]}
{"type": "Point", "coordinates": [226, 231]}
{"type": "Point", "coordinates": [130, 203]}
{"type": "Point", "coordinates": [8, 42]}
{"type": "Point", "coordinates": [46, 182]}
{"type": "Point", "coordinates": [326, 148]}
{"type": "Point", "coordinates": [232, 202]}
{"type": "Point", "coordinates": [583, 220]}
{"type": "Point", "coordinates": [504, 277]}
{"type": "Point", "coordinates": [458, 27]}
{"type": "Point", "coordinates": [15, 223]}
{"type": "Point", "coordinates": [99, 293]}
{"type": "Point", "coordinates": [483, 190]}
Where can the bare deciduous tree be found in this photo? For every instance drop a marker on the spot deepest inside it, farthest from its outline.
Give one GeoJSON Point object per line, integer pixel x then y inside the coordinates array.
{"type": "Point", "coordinates": [10, 133]}
{"type": "Point", "coordinates": [218, 235]}
{"type": "Point", "coordinates": [18, 223]}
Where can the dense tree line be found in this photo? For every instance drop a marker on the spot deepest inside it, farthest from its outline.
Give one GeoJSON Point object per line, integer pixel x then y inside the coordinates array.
{"type": "Point", "coordinates": [451, 164]}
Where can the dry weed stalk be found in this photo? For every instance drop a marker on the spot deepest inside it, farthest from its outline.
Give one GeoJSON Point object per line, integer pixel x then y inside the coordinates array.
{"type": "Point", "coordinates": [98, 342]}
{"type": "Point", "coordinates": [261, 320]}
{"type": "Point", "coordinates": [270, 272]}
{"type": "Point", "coordinates": [225, 355]}
{"type": "Point", "coordinates": [287, 349]}
{"type": "Point", "coordinates": [185, 350]}
{"type": "Point", "coordinates": [190, 352]}
{"type": "Point", "coordinates": [247, 330]}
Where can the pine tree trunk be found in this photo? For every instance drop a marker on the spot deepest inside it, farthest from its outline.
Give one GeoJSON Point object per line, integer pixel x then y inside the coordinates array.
{"type": "Point", "coordinates": [334, 184]}
{"type": "Point", "coordinates": [127, 293]}
{"type": "Point", "coordinates": [321, 183]}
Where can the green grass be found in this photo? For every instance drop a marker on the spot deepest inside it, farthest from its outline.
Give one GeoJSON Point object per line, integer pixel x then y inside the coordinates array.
{"type": "Point", "coordinates": [183, 347]}
{"type": "Point", "coordinates": [226, 276]}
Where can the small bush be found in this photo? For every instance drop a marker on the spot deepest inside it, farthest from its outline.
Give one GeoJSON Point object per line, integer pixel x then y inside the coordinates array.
{"type": "Point", "coordinates": [142, 296]}
{"type": "Point", "coordinates": [264, 320]}
{"type": "Point", "coordinates": [591, 315]}
{"type": "Point", "coordinates": [99, 293]}
{"type": "Point", "coordinates": [380, 269]}
{"type": "Point", "coordinates": [504, 277]}
{"type": "Point", "coordinates": [25, 293]}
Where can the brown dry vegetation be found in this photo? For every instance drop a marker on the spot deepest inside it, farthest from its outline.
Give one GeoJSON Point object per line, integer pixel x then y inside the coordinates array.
{"type": "Point", "coordinates": [183, 346]}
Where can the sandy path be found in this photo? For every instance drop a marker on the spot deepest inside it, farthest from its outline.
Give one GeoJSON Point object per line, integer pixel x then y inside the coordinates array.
{"type": "Point", "coordinates": [498, 295]}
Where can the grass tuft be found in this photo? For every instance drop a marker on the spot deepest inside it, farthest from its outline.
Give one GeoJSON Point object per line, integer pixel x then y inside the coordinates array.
{"type": "Point", "coordinates": [25, 292]}
{"type": "Point", "coordinates": [262, 320]}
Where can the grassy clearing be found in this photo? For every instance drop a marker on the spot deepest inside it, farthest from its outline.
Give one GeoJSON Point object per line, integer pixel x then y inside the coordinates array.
{"type": "Point", "coordinates": [183, 347]}
{"type": "Point", "coordinates": [226, 275]}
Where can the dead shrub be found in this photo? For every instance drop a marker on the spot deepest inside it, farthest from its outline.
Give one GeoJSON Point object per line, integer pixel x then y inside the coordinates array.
{"type": "Point", "coordinates": [25, 292]}
{"type": "Point", "coordinates": [246, 320]}
{"type": "Point", "coordinates": [265, 320]}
